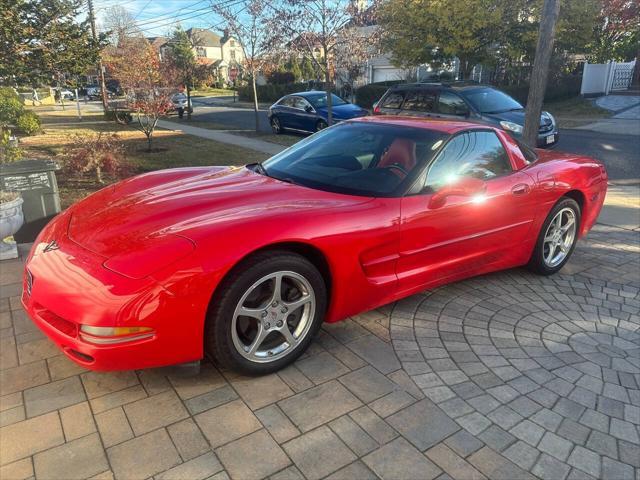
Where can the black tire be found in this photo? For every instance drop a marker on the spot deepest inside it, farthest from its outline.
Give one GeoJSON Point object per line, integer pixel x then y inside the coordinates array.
{"type": "Point", "coordinates": [276, 127]}
{"type": "Point", "coordinates": [537, 263]}
{"type": "Point", "coordinates": [321, 125]}
{"type": "Point", "coordinates": [218, 336]}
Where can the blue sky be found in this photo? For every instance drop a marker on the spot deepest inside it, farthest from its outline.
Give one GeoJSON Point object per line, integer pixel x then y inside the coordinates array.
{"type": "Point", "coordinates": [159, 17]}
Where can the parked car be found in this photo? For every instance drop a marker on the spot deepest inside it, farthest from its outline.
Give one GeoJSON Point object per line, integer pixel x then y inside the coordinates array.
{"type": "Point", "coordinates": [464, 101]}
{"type": "Point", "coordinates": [247, 262]}
{"type": "Point", "coordinates": [307, 111]}
{"type": "Point", "coordinates": [180, 103]}
{"type": "Point", "coordinates": [67, 94]}
{"type": "Point", "coordinates": [94, 92]}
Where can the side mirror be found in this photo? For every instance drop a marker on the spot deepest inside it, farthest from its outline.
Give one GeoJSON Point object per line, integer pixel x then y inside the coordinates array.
{"type": "Point", "coordinates": [464, 187]}
{"type": "Point", "coordinates": [308, 109]}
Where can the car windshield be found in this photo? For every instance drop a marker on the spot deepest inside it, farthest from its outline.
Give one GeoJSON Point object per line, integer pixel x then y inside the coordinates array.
{"type": "Point", "coordinates": [319, 100]}
{"type": "Point", "coordinates": [357, 158]}
{"type": "Point", "coordinates": [488, 100]}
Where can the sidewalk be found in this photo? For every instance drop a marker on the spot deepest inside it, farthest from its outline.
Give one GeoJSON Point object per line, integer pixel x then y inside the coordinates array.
{"type": "Point", "coordinates": [621, 207]}
{"type": "Point", "coordinates": [626, 119]}
{"type": "Point", "coordinates": [224, 137]}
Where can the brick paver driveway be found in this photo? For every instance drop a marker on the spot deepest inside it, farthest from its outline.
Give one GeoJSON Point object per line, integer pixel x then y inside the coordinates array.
{"type": "Point", "coordinates": [504, 376]}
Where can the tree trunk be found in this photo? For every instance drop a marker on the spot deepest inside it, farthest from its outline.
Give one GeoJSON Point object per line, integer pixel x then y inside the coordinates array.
{"type": "Point", "coordinates": [188, 102]}
{"type": "Point", "coordinates": [149, 135]}
{"type": "Point", "coordinates": [327, 87]}
{"type": "Point", "coordinates": [540, 72]}
{"type": "Point", "coordinates": [465, 69]}
{"type": "Point", "coordinates": [255, 99]}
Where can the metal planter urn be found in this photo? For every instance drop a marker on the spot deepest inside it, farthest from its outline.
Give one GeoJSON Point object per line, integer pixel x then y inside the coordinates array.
{"type": "Point", "coordinates": [11, 219]}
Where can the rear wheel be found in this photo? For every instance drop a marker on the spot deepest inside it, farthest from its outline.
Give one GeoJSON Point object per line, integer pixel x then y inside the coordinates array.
{"type": "Point", "coordinates": [557, 239]}
{"type": "Point", "coordinates": [266, 313]}
{"type": "Point", "coordinates": [275, 125]}
{"type": "Point", "coordinates": [321, 125]}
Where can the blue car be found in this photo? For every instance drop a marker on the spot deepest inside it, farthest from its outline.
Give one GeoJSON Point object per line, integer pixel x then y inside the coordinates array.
{"type": "Point", "coordinates": [307, 112]}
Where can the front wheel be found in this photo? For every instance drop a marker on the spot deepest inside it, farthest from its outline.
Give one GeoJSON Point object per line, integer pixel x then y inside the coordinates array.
{"type": "Point", "coordinates": [557, 239]}
{"type": "Point", "coordinates": [266, 313]}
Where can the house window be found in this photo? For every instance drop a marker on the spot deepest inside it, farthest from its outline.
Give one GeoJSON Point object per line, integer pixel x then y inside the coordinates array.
{"type": "Point", "coordinates": [233, 54]}
{"type": "Point", "coordinates": [201, 51]}
{"type": "Point", "coordinates": [233, 43]}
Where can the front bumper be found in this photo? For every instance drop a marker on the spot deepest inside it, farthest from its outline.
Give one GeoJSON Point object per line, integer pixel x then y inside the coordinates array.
{"type": "Point", "coordinates": [68, 286]}
{"type": "Point", "coordinates": [548, 139]}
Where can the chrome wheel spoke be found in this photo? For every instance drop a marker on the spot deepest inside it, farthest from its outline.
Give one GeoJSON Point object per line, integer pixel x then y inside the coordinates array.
{"type": "Point", "coordinates": [565, 228]}
{"type": "Point", "coordinates": [250, 312]}
{"type": "Point", "coordinates": [292, 306]}
{"type": "Point", "coordinates": [288, 336]}
{"type": "Point", "coordinates": [552, 249]}
{"type": "Point", "coordinates": [261, 335]}
{"type": "Point", "coordinates": [277, 288]}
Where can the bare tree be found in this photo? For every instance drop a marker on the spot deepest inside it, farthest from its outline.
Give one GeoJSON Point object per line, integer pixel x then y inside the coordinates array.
{"type": "Point", "coordinates": [252, 24]}
{"type": "Point", "coordinates": [320, 29]}
{"type": "Point", "coordinates": [119, 24]}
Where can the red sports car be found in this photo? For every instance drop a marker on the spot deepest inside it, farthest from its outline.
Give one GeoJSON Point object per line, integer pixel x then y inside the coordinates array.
{"type": "Point", "coordinates": [245, 263]}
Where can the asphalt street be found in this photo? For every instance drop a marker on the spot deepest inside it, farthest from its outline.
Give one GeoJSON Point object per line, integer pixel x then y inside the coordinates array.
{"type": "Point", "coordinates": [620, 153]}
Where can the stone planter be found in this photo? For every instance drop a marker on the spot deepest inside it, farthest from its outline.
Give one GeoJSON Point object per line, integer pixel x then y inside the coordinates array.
{"type": "Point", "coordinates": [11, 219]}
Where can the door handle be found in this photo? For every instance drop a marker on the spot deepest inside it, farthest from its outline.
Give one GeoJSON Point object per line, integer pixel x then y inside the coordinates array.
{"type": "Point", "coordinates": [520, 189]}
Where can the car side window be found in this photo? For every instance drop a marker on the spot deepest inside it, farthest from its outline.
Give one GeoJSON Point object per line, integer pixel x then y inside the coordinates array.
{"type": "Point", "coordinates": [286, 102]}
{"type": "Point", "coordinates": [393, 100]}
{"type": "Point", "coordinates": [303, 103]}
{"type": "Point", "coordinates": [420, 101]}
{"type": "Point", "coordinates": [477, 154]}
{"type": "Point", "coordinates": [451, 104]}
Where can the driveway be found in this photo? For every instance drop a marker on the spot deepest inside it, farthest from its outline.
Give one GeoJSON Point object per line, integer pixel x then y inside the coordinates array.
{"type": "Point", "coordinates": [505, 376]}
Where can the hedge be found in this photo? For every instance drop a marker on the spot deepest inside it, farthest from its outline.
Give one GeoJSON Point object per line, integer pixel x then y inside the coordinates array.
{"type": "Point", "coordinates": [270, 92]}
{"type": "Point", "coordinates": [367, 95]}
{"type": "Point", "coordinates": [557, 89]}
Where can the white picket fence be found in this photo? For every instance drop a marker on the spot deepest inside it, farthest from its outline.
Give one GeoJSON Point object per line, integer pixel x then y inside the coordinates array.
{"type": "Point", "coordinates": [603, 78]}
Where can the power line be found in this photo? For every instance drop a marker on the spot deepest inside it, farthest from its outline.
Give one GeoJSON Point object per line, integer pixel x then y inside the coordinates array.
{"type": "Point", "coordinates": [176, 19]}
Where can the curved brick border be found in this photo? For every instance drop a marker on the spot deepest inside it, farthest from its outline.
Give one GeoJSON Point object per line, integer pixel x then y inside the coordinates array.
{"type": "Point", "coordinates": [545, 371]}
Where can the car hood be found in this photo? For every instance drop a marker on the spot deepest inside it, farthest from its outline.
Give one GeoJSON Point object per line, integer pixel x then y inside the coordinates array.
{"type": "Point", "coordinates": [343, 112]}
{"type": "Point", "coordinates": [517, 116]}
{"type": "Point", "coordinates": [179, 203]}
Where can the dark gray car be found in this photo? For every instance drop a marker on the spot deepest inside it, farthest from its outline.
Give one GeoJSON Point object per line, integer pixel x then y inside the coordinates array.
{"type": "Point", "coordinates": [464, 101]}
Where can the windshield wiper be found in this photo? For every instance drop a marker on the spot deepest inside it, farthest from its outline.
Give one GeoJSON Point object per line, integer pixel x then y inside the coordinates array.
{"type": "Point", "coordinates": [257, 167]}
{"type": "Point", "coordinates": [493, 112]}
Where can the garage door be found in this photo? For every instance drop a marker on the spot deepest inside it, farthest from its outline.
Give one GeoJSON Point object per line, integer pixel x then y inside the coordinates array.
{"type": "Point", "coordinates": [387, 74]}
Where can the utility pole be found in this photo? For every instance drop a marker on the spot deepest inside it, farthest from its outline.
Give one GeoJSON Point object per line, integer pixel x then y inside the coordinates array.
{"type": "Point", "coordinates": [539, 74]}
{"type": "Point", "coordinates": [103, 87]}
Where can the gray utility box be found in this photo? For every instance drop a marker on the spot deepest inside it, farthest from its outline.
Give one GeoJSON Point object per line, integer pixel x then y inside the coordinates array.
{"type": "Point", "coordinates": [36, 182]}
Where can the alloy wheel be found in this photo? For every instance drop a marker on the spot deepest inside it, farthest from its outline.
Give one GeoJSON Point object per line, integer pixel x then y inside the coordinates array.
{"type": "Point", "coordinates": [275, 125]}
{"type": "Point", "coordinates": [559, 237]}
{"type": "Point", "coordinates": [273, 316]}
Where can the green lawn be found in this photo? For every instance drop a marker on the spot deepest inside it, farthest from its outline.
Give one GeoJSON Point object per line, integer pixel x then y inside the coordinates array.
{"type": "Point", "coordinates": [170, 149]}
{"type": "Point", "coordinates": [211, 92]}
{"type": "Point", "coordinates": [576, 111]}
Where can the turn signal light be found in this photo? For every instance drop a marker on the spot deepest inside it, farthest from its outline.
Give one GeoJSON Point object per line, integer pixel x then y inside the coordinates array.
{"type": "Point", "coordinates": [109, 335]}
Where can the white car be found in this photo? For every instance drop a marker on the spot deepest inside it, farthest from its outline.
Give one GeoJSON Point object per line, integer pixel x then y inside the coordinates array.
{"type": "Point", "coordinates": [67, 94]}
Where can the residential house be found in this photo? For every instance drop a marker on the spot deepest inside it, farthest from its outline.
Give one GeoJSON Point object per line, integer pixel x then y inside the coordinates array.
{"type": "Point", "coordinates": [223, 53]}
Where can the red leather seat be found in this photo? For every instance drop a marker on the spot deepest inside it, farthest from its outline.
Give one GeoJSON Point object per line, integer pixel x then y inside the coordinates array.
{"type": "Point", "coordinates": [401, 152]}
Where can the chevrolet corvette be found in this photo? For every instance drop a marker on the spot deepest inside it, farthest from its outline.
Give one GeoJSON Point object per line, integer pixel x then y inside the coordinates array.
{"type": "Point", "coordinates": [245, 263]}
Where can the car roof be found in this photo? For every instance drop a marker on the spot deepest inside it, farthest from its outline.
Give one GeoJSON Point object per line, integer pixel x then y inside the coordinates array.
{"type": "Point", "coordinates": [460, 85]}
{"type": "Point", "coordinates": [307, 93]}
{"type": "Point", "coordinates": [439, 125]}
